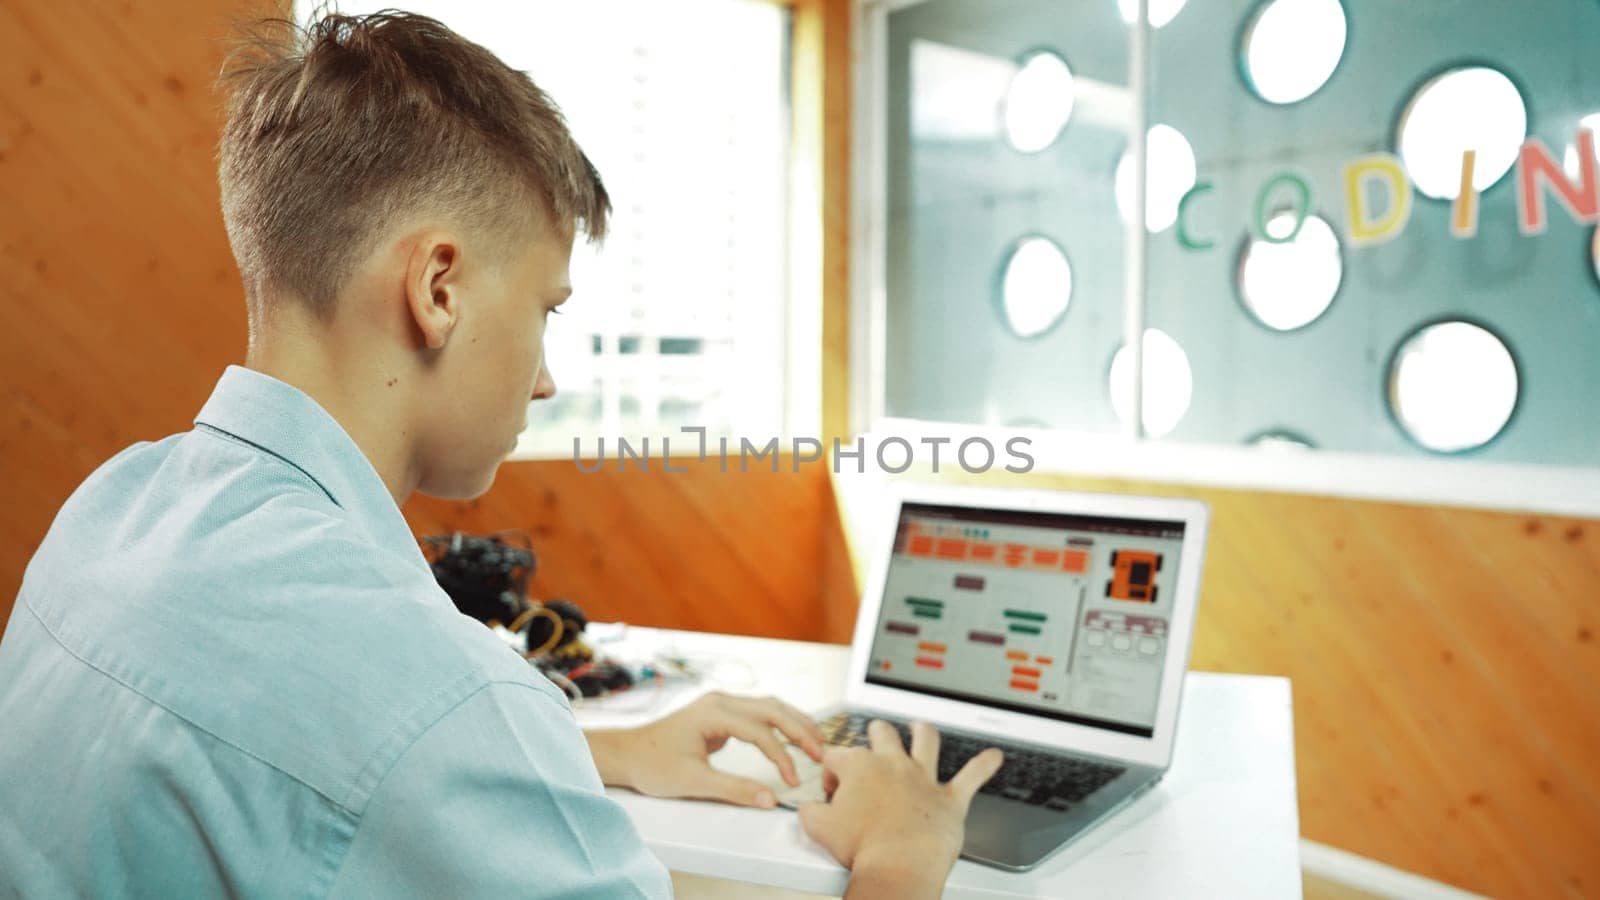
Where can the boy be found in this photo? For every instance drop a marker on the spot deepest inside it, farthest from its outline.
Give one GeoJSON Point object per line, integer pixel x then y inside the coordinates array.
{"type": "Point", "coordinates": [229, 670]}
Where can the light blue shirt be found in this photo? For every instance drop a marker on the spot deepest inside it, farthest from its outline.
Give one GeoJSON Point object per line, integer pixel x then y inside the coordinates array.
{"type": "Point", "coordinates": [230, 672]}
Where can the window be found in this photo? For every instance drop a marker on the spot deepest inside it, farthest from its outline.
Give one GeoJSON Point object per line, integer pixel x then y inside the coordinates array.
{"type": "Point", "coordinates": [680, 317]}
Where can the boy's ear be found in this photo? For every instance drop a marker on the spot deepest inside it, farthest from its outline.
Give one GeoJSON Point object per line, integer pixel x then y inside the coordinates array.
{"type": "Point", "coordinates": [433, 285]}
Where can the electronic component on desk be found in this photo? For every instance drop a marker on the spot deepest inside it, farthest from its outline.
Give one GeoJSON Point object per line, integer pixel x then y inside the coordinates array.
{"type": "Point", "coordinates": [555, 643]}
{"type": "Point", "coordinates": [667, 669]}
{"type": "Point", "coordinates": [487, 579]}
{"type": "Point", "coordinates": [554, 627]}
{"type": "Point", "coordinates": [591, 679]}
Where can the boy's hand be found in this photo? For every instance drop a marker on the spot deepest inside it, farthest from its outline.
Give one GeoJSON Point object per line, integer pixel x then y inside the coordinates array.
{"type": "Point", "coordinates": [669, 757]}
{"type": "Point", "coordinates": [889, 819]}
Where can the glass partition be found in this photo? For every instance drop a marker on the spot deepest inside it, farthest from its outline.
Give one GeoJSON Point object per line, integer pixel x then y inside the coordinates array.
{"type": "Point", "coordinates": [1371, 225]}
{"type": "Point", "coordinates": [1402, 329]}
{"type": "Point", "coordinates": [1003, 272]}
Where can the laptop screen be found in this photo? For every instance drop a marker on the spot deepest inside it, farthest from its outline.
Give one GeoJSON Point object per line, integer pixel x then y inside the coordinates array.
{"type": "Point", "coordinates": [1051, 614]}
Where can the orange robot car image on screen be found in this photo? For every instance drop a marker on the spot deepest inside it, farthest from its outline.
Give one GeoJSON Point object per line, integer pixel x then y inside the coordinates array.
{"type": "Point", "coordinates": [1133, 575]}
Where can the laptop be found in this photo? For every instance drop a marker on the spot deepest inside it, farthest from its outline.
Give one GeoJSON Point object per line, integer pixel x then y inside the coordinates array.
{"type": "Point", "coordinates": [1053, 625]}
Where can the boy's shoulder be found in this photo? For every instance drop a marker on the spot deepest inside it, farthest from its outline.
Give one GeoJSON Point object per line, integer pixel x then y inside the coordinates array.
{"type": "Point", "coordinates": [236, 594]}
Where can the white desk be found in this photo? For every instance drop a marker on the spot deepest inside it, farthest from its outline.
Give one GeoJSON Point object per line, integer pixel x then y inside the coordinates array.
{"type": "Point", "coordinates": [1223, 823]}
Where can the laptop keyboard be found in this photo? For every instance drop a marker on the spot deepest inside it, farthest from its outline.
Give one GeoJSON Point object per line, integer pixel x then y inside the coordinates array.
{"type": "Point", "coordinates": [1027, 776]}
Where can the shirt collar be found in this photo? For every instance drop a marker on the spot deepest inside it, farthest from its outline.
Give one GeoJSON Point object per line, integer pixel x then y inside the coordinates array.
{"type": "Point", "coordinates": [284, 421]}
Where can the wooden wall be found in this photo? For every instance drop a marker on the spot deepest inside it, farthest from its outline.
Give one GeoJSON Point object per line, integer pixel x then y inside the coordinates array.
{"type": "Point", "coordinates": [1444, 661]}
{"type": "Point", "coordinates": [758, 552]}
{"type": "Point", "coordinates": [120, 303]}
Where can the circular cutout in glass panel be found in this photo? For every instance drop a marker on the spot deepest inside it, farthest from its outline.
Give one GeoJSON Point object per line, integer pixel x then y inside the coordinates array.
{"type": "Point", "coordinates": [1161, 11]}
{"type": "Point", "coordinates": [1281, 440]}
{"type": "Point", "coordinates": [1452, 386]}
{"type": "Point", "coordinates": [1171, 174]}
{"type": "Point", "coordinates": [1287, 286]}
{"type": "Point", "coordinates": [1292, 47]}
{"type": "Point", "coordinates": [1038, 102]}
{"type": "Point", "coordinates": [1168, 384]}
{"type": "Point", "coordinates": [1035, 287]}
{"type": "Point", "coordinates": [1473, 108]}
{"type": "Point", "coordinates": [1570, 160]}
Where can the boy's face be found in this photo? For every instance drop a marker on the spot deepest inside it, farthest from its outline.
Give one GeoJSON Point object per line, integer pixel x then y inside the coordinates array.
{"type": "Point", "coordinates": [492, 367]}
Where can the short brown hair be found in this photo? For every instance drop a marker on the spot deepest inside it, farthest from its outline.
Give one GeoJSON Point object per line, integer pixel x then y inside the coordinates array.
{"type": "Point", "coordinates": [352, 122]}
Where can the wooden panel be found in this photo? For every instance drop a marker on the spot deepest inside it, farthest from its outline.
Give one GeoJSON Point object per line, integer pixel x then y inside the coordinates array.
{"type": "Point", "coordinates": [755, 552]}
{"type": "Point", "coordinates": [120, 304]}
